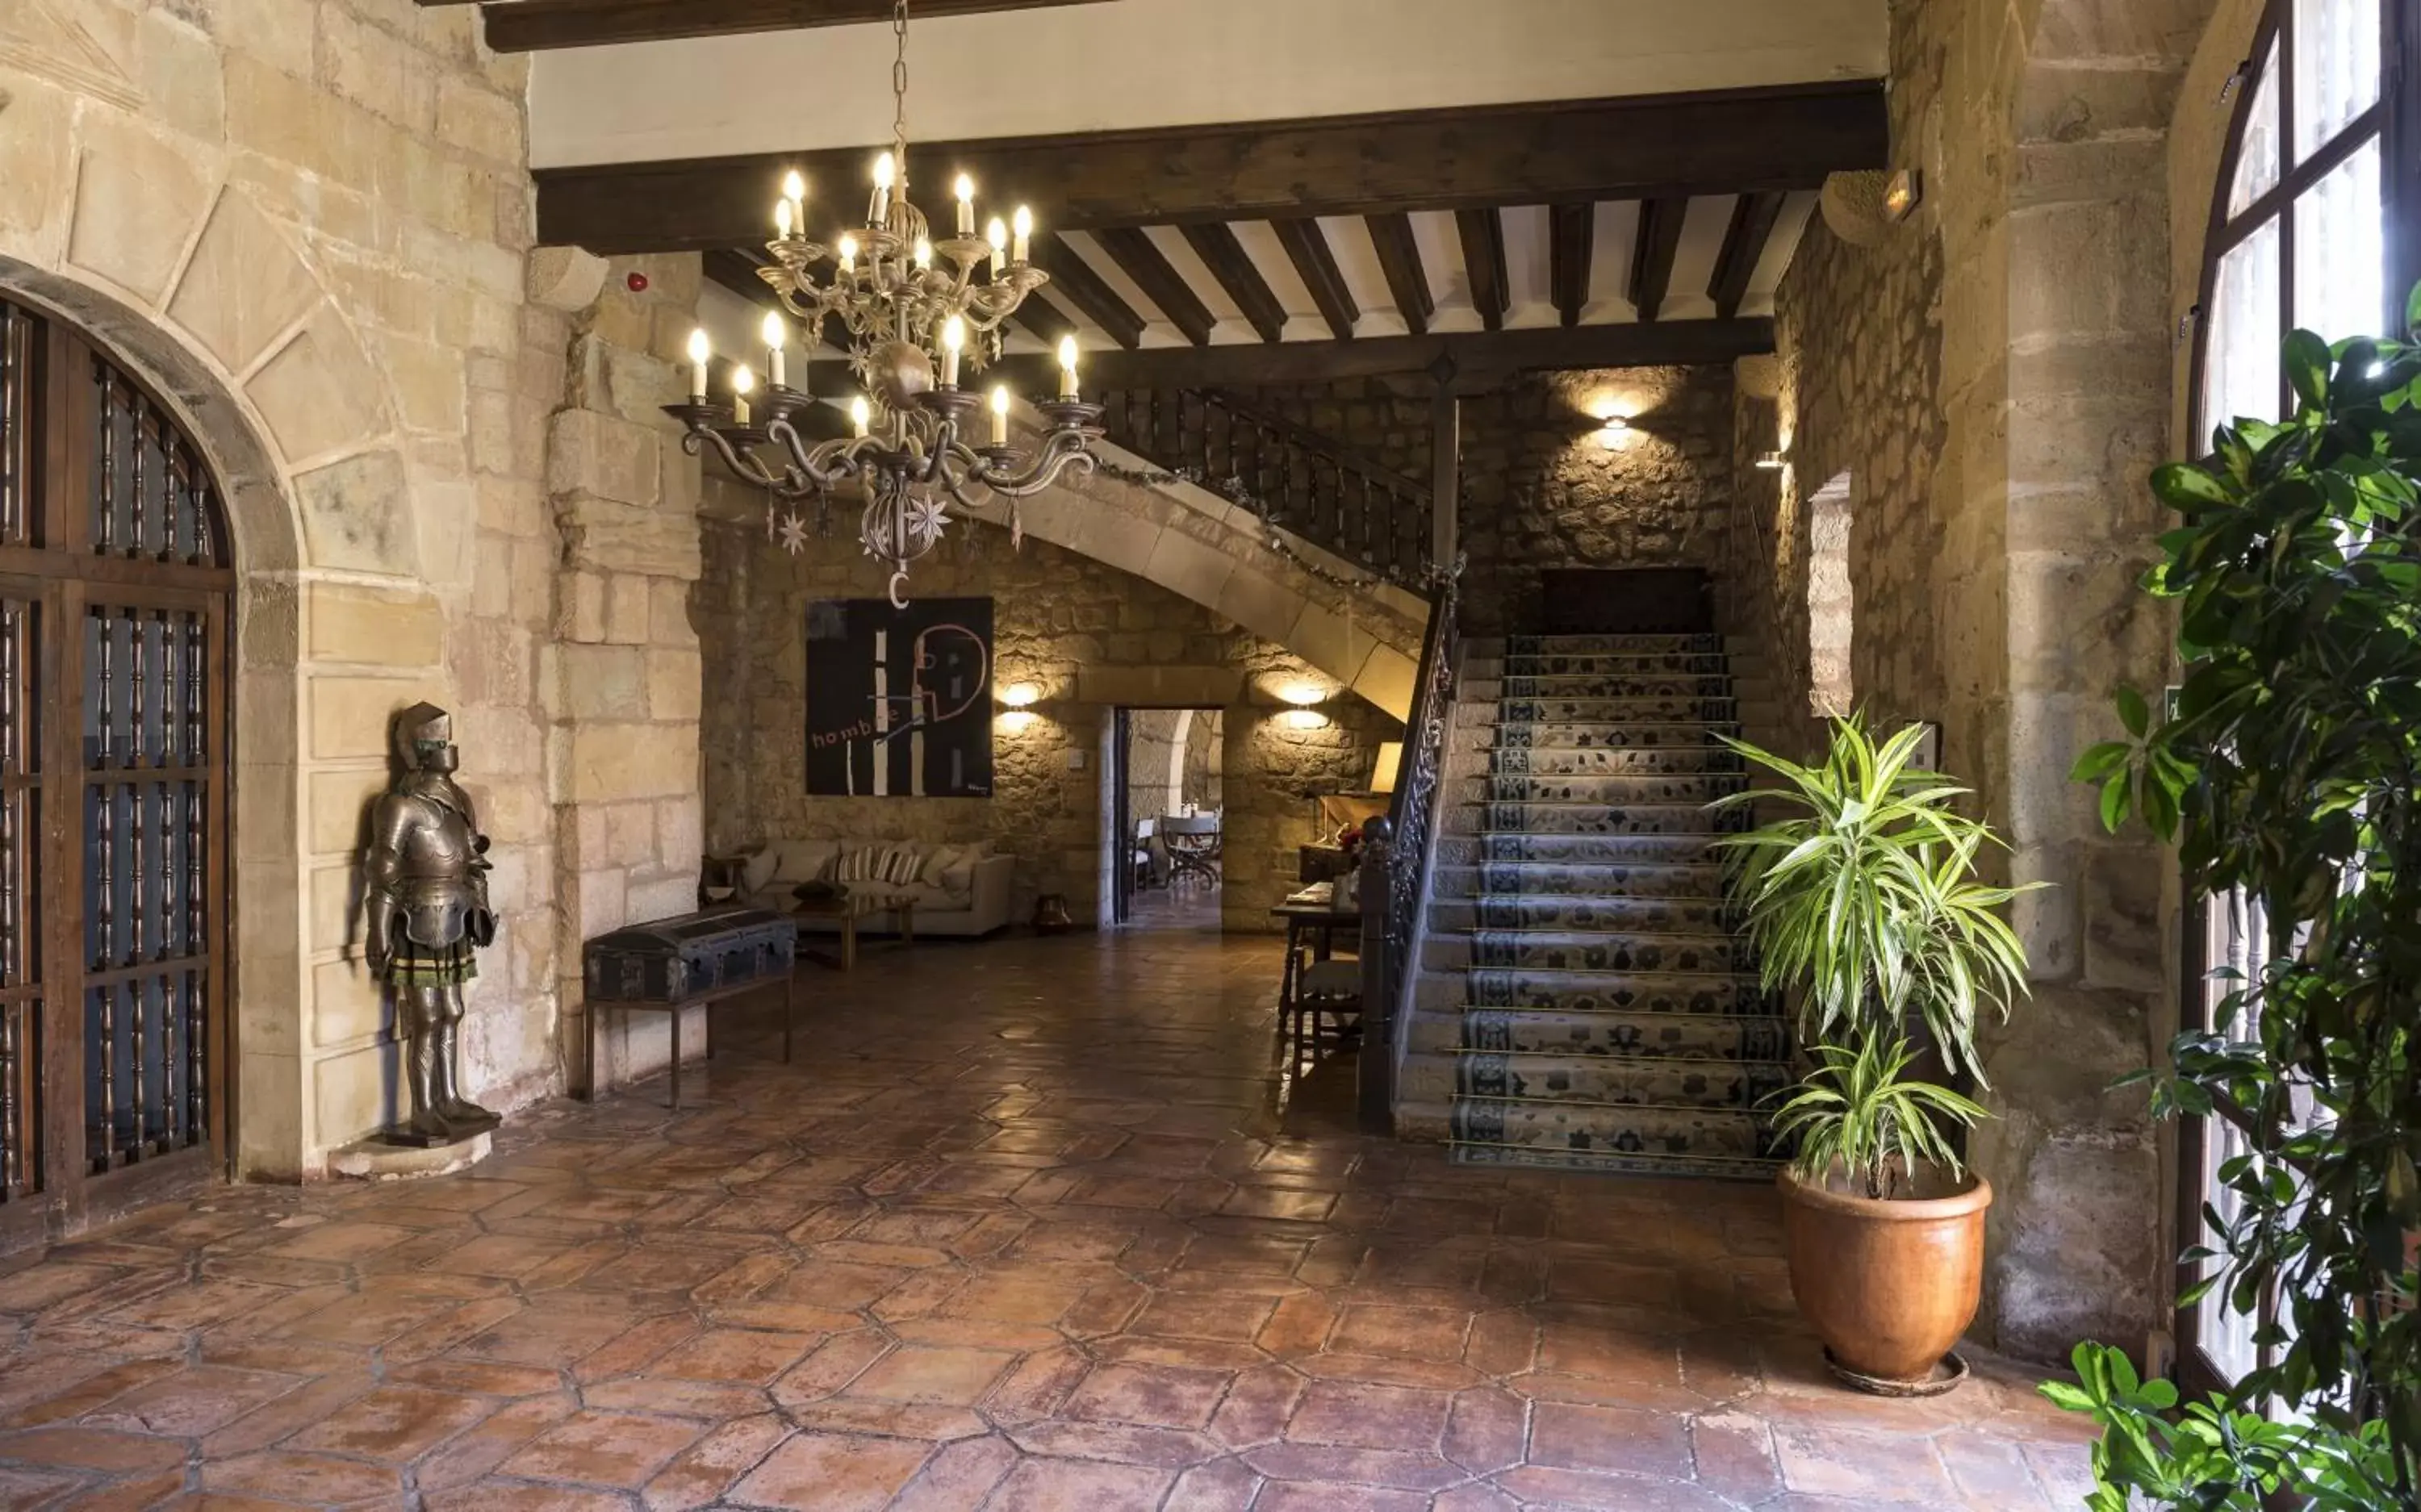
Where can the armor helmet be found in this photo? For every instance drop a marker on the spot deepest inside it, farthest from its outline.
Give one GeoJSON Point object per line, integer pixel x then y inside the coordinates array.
{"type": "Point", "coordinates": [423, 738]}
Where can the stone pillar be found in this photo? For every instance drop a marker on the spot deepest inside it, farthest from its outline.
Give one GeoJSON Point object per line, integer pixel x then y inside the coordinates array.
{"type": "Point", "coordinates": [621, 678]}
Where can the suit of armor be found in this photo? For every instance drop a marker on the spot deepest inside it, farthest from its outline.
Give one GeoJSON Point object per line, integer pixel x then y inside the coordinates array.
{"type": "Point", "coordinates": [426, 902]}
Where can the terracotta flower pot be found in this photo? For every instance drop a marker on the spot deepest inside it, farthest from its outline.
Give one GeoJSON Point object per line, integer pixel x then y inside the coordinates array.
{"type": "Point", "coordinates": [1889, 1286]}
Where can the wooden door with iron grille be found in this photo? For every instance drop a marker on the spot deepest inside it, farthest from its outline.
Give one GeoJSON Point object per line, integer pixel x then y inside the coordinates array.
{"type": "Point", "coordinates": [116, 589]}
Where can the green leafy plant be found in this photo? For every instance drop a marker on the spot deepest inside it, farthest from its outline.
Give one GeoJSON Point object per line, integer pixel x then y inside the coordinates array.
{"type": "Point", "coordinates": [2288, 765]}
{"type": "Point", "coordinates": [1866, 902]}
{"type": "Point", "coordinates": [2212, 1453]}
{"type": "Point", "coordinates": [1858, 1112]}
{"type": "Point", "coordinates": [1867, 899]}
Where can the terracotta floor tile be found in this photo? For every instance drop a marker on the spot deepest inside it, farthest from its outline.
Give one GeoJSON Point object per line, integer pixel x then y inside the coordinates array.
{"type": "Point", "coordinates": [394, 1423]}
{"type": "Point", "coordinates": [1568, 1437]}
{"type": "Point", "coordinates": [604, 1448]}
{"type": "Point", "coordinates": [832, 1473]}
{"type": "Point", "coordinates": [1356, 1415]}
{"type": "Point", "coordinates": [1162, 1395]}
{"type": "Point", "coordinates": [1074, 1486]}
{"type": "Point", "coordinates": [1039, 1224]}
{"type": "Point", "coordinates": [734, 1354]}
{"type": "Point", "coordinates": [937, 1376]}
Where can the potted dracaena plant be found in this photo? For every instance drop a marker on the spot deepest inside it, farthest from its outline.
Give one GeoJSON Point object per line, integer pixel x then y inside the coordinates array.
{"type": "Point", "coordinates": [1865, 904]}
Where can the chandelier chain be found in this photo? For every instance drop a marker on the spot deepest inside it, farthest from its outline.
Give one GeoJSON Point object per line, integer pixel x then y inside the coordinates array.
{"type": "Point", "coordinates": [900, 90]}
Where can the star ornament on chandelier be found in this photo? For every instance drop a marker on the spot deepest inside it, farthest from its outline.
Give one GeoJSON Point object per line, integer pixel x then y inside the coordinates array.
{"type": "Point", "coordinates": [920, 314]}
{"type": "Point", "coordinates": [794, 533]}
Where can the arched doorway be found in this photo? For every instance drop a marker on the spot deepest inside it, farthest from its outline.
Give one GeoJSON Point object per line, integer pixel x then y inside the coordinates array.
{"type": "Point", "coordinates": [116, 582]}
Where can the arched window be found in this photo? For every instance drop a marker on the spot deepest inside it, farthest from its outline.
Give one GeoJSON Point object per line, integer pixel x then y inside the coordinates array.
{"type": "Point", "coordinates": [115, 580]}
{"type": "Point", "coordinates": [2312, 225]}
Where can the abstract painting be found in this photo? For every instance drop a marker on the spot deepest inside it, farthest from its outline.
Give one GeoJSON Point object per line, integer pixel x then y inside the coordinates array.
{"type": "Point", "coordinates": [899, 700]}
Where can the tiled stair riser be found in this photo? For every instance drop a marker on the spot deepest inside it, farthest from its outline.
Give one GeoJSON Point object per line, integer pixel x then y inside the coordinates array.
{"type": "Point", "coordinates": [1587, 999]}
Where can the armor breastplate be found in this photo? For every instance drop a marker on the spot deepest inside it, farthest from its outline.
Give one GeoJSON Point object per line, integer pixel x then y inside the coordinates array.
{"type": "Point", "coordinates": [436, 884]}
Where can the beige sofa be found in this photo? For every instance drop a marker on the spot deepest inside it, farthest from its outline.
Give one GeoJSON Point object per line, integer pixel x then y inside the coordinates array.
{"type": "Point", "coordinates": [959, 891]}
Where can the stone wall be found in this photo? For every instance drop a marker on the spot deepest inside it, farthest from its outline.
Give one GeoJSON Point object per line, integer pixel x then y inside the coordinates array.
{"type": "Point", "coordinates": [1088, 637]}
{"type": "Point", "coordinates": [1539, 489]}
{"type": "Point", "coordinates": [622, 678]}
{"type": "Point", "coordinates": [305, 221]}
{"type": "Point", "coordinates": [1992, 375]}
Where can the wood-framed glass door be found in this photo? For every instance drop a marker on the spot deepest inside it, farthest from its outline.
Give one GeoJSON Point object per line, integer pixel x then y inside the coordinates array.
{"type": "Point", "coordinates": [115, 641]}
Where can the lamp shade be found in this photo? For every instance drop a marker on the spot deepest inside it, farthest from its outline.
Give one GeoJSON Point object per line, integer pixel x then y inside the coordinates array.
{"type": "Point", "coordinates": [1391, 757]}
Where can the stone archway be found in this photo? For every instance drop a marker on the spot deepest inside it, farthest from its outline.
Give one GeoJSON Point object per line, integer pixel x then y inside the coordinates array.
{"type": "Point", "coordinates": [161, 256]}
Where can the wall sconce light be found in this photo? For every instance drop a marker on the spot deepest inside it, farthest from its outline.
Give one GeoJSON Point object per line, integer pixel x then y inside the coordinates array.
{"type": "Point", "coordinates": [1305, 719]}
{"type": "Point", "coordinates": [1614, 434]}
{"type": "Point", "coordinates": [1391, 762]}
{"type": "Point", "coordinates": [1304, 696]}
{"type": "Point", "coordinates": [1773, 461]}
{"type": "Point", "coordinates": [1902, 194]}
{"type": "Point", "coordinates": [1019, 699]}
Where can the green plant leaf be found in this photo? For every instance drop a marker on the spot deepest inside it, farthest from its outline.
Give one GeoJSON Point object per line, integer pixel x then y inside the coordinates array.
{"type": "Point", "coordinates": [2307, 366]}
{"type": "Point", "coordinates": [2133, 711]}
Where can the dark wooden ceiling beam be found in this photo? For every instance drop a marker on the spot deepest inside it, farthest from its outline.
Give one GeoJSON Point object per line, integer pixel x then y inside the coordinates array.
{"type": "Point", "coordinates": [1074, 279]}
{"type": "Point", "coordinates": [1044, 320]}
{"type": "Point", "coordinates": [1651, 257]}
{"type": "Point", "coordinates": [1314, 263]}
{"type": "Point", "coordinates": [1131, 248]}
{"type": "Point", "coordinates": [1752, 226]}
{"type": "Point", "coordinates": [1553, 152]}
{"type": "Point", "coordinates": [1400, 259]}
{"type": "Point", "coordinates": [534, 25]}
{"type": "Point", "coordinates": [1572, 243]}
{"type": "Point", "coordinates": [1215, 244]}
{"type": "Point", "coordinates": [1478, 357]}
{"type": "Point", "coordinates": [1482, 234]}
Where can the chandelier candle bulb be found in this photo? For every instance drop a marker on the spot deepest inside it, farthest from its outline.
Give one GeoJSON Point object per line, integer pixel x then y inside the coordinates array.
{"type": "Point", "coordinates": [966, 193]}
{"type": "Point", "coordinates": [1066, 367]}
{"type": "Point", "coordinates": [1023, 224]}
{"type": "Point", "coordinates": [954, 340]}
{"type": "Point", "coordinates": [924, 255]}
{"type": "Point", "coordinates": [885, 168]}
{"type": "Point", "coordinates": [861, 414]}
{"type": "Point", "coordinates": [794, 192]}
{"type": "Point", "coordinates": [999, 410]}
{"type": "Point", "coordinates": [777, 335]}
{"type": "Point", "coordinates": [699, 351]}
{"type": "Point", "coordinates": [741, 382]}
{"type": "Point", "coordinates": [996, 232]}
{"type": "Point", "coordinates": [784, 218]}
{"type": "Point", "coordinates": [847, 256]}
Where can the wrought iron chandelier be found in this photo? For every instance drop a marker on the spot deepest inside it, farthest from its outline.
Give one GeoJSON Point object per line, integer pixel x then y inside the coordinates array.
{"type": "Point", "coordinates": [920, 314]}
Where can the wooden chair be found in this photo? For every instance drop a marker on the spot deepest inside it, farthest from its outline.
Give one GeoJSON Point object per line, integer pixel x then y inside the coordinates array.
{"type": "Point", "coordinates": [1327, 989]}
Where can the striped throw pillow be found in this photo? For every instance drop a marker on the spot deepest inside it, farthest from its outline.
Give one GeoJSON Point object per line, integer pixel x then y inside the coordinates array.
{"type": "Point", "coordinates": [861, 864]}
{"type": "Point", "coordinates": [901, 865]}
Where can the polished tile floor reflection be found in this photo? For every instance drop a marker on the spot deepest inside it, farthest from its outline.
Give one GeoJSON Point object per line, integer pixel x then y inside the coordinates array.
{"type": "Point", "coordinates": [1029, 1224]}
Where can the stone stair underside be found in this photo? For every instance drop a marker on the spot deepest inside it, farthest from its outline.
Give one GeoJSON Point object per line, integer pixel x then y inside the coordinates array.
{"type": "Point", "coordinates": [1583, 999]}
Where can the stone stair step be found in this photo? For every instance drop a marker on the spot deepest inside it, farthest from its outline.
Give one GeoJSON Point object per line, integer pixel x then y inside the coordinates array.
{"type": "Point", "coordinates": [1575, 991]}
{"type": "Point", "coordinates": [1549, 1031]}
{"type": "Point", "coordinates": [1586, 709]}
{"type": "Point", "coordinates": [1594, 736]}
{"type": "Point", "coordinates": [1477, 759]}
{"type": "Point", "coordinates": [1704, 641]}
{"type": "Point", "coordinates": [1642, 1138]}
{"type": "Point", "coordinates": [1607, 1081]}
{"type": "Point", "coordinates": [1567, 950]}
{"type": "Point", "coordinates": [1552, 818]}
{"type": "Point", "coordinates": [1691, 787]}
{"type": "Point", "coordinates": [1518, 908]}
{"type": "Point", "coordinates": [1643, 880]}
{"type": "Point", "coordinates": [1660, 663]}
{"type": "Point", "coordinates": [1470, 847]}
{"type": "Point", "coordinates": [1482, 688]}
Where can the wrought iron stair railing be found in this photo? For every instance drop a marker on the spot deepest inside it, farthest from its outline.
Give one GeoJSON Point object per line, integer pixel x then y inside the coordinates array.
{"type": "Point", "coordinates": [1398, 860]}
{"type": "Point", "coordinates": [1316, 488]}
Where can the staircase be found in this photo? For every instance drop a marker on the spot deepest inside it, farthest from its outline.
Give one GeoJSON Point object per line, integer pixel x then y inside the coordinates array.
{"type": "Point", "coordinates": [1584, 1000]}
